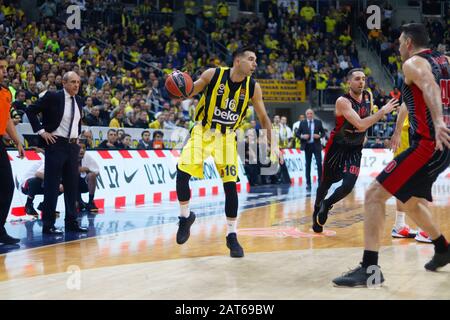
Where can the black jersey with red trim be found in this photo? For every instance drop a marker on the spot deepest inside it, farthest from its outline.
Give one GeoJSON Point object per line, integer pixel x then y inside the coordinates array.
{"type": "Point", "coordinates": [421, 123]}
{"type": "Point", "coordinates": [345, 133]}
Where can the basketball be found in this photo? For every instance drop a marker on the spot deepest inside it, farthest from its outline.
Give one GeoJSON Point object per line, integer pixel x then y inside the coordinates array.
{"type": "Point", "coordinates": [179, 84]}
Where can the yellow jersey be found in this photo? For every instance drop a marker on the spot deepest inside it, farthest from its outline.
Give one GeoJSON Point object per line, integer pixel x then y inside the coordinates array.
{"type": "Point", "coordinates": [224, 103]}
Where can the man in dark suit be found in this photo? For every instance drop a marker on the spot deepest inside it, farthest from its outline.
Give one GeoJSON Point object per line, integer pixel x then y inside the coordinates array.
{"type": "Point", "coordinates": [61, 125]}
{"type": "Point", "coordinates": [310, 132]}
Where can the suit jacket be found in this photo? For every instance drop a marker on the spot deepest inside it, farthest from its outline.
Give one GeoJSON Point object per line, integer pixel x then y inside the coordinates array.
{"type": "Point", "coordinates": [51, 105]}
{"type": "Point", "coordinates": [318, 129]}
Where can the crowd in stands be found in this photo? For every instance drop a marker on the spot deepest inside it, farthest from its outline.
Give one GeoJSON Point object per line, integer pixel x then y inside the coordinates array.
{"type": "Point", "coordinates": [123, 64]}
{"type": "Point", "coordinates": [385, 40]}
{"type": "Point", "coordinates": [115, 94]}
{"type": "Point", "coordinates": [385, 43]}
{"type": "Point", "coordinates": [297, 43]}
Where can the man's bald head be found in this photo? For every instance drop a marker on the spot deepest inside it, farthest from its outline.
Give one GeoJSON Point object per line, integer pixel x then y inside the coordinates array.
{"type": "Point", "coordinates": [69, 75]}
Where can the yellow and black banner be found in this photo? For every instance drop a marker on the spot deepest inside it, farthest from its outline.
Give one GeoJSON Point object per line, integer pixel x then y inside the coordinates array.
{"type": "Point", "coordinates": [283, 90]}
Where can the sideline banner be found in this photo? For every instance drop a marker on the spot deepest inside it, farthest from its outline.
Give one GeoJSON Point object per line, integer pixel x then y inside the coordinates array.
{"type": "Point", "coordinates": [128, 178]}
{"type": "Point", "coordinates": [373, 161]}
{"type": "Point", "coordinates": [139, 177]}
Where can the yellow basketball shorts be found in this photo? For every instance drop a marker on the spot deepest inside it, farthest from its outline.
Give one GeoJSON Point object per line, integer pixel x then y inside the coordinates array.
{"type": "Point", "coordinates": [204, 143]}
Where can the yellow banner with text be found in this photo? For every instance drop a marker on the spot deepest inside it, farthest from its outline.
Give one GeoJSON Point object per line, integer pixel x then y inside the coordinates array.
{"type": "Point", "coordinates": [283, 90]}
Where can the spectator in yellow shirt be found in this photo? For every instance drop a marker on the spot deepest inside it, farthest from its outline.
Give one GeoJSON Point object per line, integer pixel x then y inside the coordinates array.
{"type": "Point", "coordinates": [307, 12]}
{"type": "Point", "coordinates": [233, 45]}
{"type": "Point", "coordinates": [302, 42]}
{"type": "Point", "coordinates": [172, 46]}
{"type": "Point", "coordinates": [330, 24]}
{"type": "Point", "coordinates": [189, 8]}
{"type": "Point", "coordinates": [167, 29]}
{"type": "Point", "coordinates": [208, 10]}
{"type": "Point", "coordinates": [135, 54]}
{"type": "Point", "coordinates": [93, 49]}
{"type": "Point", "coordinates": [139, 81]}
{"type": "Point", "coordinates": [216, 35]}
{"type": "Point", "coordinates": [273, 56]}
{"type": "Point", "coordinates": [289, 74]}
{"type": "Point", "coordinates": [128, 78]}
{"type": "Point", "coordinates": [367, 70]}
{"type": "Point", "coordinates": [117, 97]}
{"type": "Point", "coordinates": [222, 12]}
{"type": "Point", "coordinates": [345, 39]}
{"type": "Point", "coordinates": [117, 118]}
{"type": "Point", "coordinates": [168, 69]}
{"type": "Point", "coordinates": [321, 80]}
{"type": "Point", "coordinates": [166, 8]}
{"type": "Point", "coordinates": [158, 123]}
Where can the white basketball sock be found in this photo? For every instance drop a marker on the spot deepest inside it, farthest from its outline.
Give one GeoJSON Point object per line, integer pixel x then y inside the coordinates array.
{"type": "Point", "coordinates": [184, 210]}
{"type": "Point", "coordinates": [399, 220]}
{"type": "Point", "coordinates": [231, 226]}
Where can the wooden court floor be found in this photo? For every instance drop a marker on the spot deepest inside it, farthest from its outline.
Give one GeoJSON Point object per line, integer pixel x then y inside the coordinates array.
{"type": "Point", "coordinates": [284, 259]}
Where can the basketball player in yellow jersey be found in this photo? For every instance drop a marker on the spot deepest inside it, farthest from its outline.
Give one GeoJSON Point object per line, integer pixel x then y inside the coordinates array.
{"type": "Point", "coordinates": [220, 111]}
{"type": "Point", "coordinates": [399, 143]}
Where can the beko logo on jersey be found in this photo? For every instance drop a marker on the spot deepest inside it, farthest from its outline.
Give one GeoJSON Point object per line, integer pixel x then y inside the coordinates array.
{"type": "Point", "coordinates": [226, 114]}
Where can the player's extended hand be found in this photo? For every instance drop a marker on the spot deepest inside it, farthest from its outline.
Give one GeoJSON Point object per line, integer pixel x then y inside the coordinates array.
{"type": "Point", "coordinates": [21, 151]}
{"type": "Point", "coordinates": [48, 137]}
{"type": "Point", "coordinates": [390, 106]}
{"type": "Point", "coordinates": [84, 169]}
{"type": "Point", "coordinates": [395, 141]}
{"type": "Point", "coordinates": [442, 136]}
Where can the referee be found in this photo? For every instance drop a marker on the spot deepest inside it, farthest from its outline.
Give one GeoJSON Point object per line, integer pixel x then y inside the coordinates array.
{"type": "Point", "coordinates": [6, 177]}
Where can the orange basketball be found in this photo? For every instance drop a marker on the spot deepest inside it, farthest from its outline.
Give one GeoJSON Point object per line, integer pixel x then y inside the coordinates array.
{"type": "Point", "coordinates": [179, 84]}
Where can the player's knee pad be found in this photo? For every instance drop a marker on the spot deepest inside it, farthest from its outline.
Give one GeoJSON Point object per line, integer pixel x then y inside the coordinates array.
{"type": "Point", "coordinates": [231, 199]}
{"type": "Point", "coordinates": [183, 192]}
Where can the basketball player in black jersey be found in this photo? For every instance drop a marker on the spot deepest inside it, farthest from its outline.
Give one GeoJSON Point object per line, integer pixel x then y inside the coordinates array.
{"type": "Point", "coordinates": [410, 175]}
{"type": "Point", "coordinates": [343, 150]}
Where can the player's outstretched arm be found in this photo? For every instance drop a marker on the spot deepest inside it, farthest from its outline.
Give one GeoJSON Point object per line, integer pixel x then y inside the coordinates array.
{"type": "Point", "coordinates": [260, 109]}
{"type": "Point", "coordinates": [344, 107]}
{"type": "Point", "coordinates": [203, 81]}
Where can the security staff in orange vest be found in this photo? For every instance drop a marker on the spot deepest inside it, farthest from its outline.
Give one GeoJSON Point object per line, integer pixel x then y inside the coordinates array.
{"type": "Point", "coordinates": [6, 177]}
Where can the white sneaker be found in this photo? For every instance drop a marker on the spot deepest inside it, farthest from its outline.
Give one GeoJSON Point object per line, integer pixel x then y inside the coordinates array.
{"type": "Point", "coordinates": [403, 232]}
{"type": "Point", "coordinates": [422, 236]}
